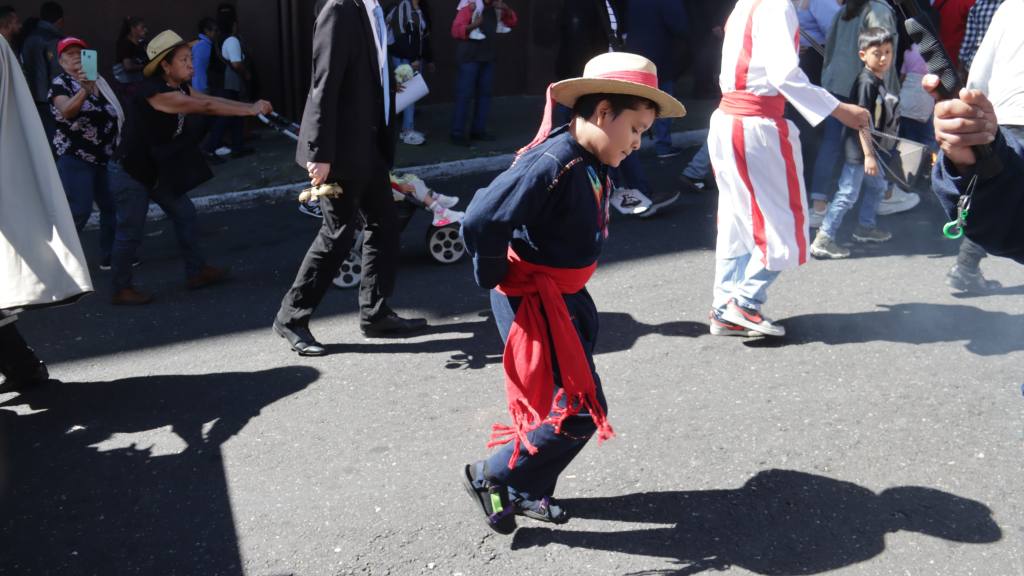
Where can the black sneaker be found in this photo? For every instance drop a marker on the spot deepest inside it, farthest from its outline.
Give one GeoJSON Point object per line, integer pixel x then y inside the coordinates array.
{"type": "Point", "coordinates": [672, 152]}
{"type": "Point", "coordinates": [546, 509]}
{"type": "Point", "coordinates": [105, 265]}
{"type": "Point", "coordinates": [459, 140]}
{"type": "Point", "coordinates": [971, 282]}
{"type": "Point", "coordinates": [659, 201]}
{"type": "Point", "coordinates": [311, 208]}
{"type": "Point", "coordinates": [492, 499]}
{"type": "Point", "coordinates": [687, 186]}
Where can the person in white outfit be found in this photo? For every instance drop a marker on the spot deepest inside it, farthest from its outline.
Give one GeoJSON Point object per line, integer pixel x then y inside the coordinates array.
{"type": "Point", "coordinates": [762, 207]}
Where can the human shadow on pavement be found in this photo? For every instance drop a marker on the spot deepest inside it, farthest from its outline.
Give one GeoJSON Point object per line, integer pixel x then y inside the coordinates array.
{"type": "Point", "coordinates": [618, 332]}
{"type": "Point", "coordinates": [781, 522]}
{"type": "Point", "coordinates": [127, 476]}
{"type": "Point", "coordinates": [987, 333]}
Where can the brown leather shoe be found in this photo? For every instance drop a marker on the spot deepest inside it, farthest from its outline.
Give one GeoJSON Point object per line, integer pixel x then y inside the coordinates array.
{"type": "Point", "coordinates": [130, 297]}
{"type": "Point", "coordinates": [208, 276]}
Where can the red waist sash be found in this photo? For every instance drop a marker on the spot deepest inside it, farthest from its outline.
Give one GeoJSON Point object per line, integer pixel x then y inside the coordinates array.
{"type": "Point", "coordinates": [747, 104]}
{"type": "Point", "coordinates": [529, 374]}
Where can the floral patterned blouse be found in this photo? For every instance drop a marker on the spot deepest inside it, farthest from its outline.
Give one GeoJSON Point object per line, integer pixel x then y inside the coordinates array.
{"type": "Point", "coordinates": [90, 136]}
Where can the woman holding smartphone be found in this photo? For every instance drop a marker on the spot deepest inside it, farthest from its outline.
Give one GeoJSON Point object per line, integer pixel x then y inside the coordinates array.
{"type": "Point", "coordinates": [88, 117]}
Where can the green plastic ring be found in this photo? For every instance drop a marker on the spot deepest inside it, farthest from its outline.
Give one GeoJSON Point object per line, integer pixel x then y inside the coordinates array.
{"type": "Point", "coordinates": [948, 231]}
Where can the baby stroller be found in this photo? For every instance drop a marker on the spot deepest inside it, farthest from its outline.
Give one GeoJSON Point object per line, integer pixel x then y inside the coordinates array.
{"type": "Point", "coordinates": [443, 239]}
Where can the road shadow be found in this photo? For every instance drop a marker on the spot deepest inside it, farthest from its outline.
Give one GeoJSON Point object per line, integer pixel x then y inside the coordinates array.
{"type": "Point", "coordinates": [987, 333]}
{"type": "Point", "coordinates": [781, 522]}
{"type": "Point", "coordinates": [127, 476]}
{"type": "Point", "coordinates": [483, 346]}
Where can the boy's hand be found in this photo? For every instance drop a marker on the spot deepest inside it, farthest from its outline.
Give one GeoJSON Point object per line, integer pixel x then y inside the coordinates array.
{"type": "Point", "coordinates": [871, 166]}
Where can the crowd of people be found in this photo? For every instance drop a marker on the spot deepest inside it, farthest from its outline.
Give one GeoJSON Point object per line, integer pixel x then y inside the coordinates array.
{"type": "Point", "coordinates": [537, 231]}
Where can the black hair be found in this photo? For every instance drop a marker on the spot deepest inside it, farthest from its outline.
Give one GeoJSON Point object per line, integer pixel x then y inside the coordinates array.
{"type": "Point", "coordinates": [206, 24]}
{"type": "Point", "coordinates": [853, 8]}
{"type": "Point", "coordinates": [874, 37]}
{"type": "Point", "coordinates": [51, 12]}
{"type": "Point", "coordinates": [6, 12]}
{"type": "Point", "coordinates": [587, 104]}
{"type": "Point", "coordinates": [127, 24]}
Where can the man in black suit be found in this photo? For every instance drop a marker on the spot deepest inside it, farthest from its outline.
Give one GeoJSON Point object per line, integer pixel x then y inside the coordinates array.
{"type": "Point", "coordinates": [346, 138]}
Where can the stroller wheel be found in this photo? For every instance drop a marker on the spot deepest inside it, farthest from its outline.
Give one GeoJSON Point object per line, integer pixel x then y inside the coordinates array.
{"type": "Point", "coordinates": [445, 244]}
{"type": "Point", "coordinates": [351, 271]}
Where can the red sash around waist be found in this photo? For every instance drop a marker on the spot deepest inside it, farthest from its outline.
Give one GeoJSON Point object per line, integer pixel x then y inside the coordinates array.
{"type": "Point", "coordinates": [529, 374]}
{"type": "Point", "coordinates": [747, 104]}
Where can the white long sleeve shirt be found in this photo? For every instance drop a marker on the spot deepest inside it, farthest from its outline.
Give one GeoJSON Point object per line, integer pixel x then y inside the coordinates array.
{"type": "Point", "coordinates": [998, 67]}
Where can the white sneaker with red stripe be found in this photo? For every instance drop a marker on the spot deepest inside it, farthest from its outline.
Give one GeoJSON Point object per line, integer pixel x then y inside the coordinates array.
{"type": "Point", "coordinates": [751, 319]}
{"type": "Point", "coordinates": [720, 327]}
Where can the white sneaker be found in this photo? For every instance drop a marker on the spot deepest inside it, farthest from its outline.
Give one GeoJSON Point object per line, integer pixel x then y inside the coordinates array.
{"type": "Point", "coordinates": [222, 151]}
{"type": "Point", "coordinates": [311, 208]}
{"type": "Point", "coordinates": [502, 29]}
{"type": "Point", "coordinates": [900, 201]}
{"type": "Point", "coordinates": [476, 34]}
{"type": "Point", "coordinates": [629, 201]}
{"type": "Point", "coordinates": [751, 319]}
{"type": "Point", "coordinates": [815, 218]}
{"type": "Point", "coordinates": [444, 216]}
{"type": "Point", "coordinates": [446, 201]}
{"type": "Point", "coordinates": [413, 138]}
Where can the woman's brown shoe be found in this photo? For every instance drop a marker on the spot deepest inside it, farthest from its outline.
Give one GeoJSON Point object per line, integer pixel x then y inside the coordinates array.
{"type": "Point", "coordinates": [208, 276]}
{"type": "Point", "coordinates": [130, 297]}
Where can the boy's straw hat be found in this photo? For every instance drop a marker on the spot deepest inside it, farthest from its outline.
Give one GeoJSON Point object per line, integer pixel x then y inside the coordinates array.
{"type": "Point", "coordinates": [159, 47]}
{"type": "Point", "coordinates": [618, 73]}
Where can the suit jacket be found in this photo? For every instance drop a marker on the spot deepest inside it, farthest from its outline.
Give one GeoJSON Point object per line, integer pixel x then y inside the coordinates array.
{"type": "Point", "coordinates": [343, 122]}
{"type": "Point", "coordinates": [585, 32]}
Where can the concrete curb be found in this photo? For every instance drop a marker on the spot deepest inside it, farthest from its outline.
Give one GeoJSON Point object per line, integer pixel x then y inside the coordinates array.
{"type": "Point", "coordinates": [442, 170]}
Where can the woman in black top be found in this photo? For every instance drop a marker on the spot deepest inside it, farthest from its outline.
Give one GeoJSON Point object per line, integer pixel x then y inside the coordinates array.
{"type": "Point", "coordinates": [131, 55]}
{"type": "Point", "coordinates": [162, 162]}
{"type": "Point", "coordinates": [88, 119]}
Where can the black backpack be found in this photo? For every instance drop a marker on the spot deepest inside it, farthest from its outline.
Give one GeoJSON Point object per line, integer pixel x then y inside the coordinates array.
{"type": "Point", "coordinates": [215, 69]}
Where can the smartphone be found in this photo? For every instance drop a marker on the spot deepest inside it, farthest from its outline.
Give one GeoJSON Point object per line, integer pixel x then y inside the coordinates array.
{"type": "Point", "coordinates": [89, 67]}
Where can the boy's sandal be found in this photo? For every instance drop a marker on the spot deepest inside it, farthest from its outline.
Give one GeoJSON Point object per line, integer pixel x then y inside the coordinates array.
{"type": "Point", "coordinates": [545, 510]}
{"type": "Point", "coordinates": [493, 500]}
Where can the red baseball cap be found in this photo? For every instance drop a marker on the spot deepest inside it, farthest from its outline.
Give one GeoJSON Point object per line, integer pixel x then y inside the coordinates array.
{"type": "Point", "coordinates": [69, 42]}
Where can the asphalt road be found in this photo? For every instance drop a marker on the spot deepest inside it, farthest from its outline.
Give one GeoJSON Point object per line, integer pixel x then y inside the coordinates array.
{"type": "Point", "coordinates": [883, 436]}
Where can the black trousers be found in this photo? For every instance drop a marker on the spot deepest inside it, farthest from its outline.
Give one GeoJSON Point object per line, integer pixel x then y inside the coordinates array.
{"type": "Point", "coordinates": [372, 198]}
{"type": "Point", "coordinates": [17, 359]}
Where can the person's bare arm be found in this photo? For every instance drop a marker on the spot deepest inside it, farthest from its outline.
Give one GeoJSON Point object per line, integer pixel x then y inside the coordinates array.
{"type": "Point", "coordinates": [179, 103]}
{"type": "Point", "coordinates": [870, 161]}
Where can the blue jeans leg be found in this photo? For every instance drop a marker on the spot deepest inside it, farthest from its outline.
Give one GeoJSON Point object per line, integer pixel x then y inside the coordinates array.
{"type": "Point", "coordinates": [700, 167]}
{"type": "Point", "coordinates": [872, 190]}
{"type": "Point", "coordinates": [663, 127]}
{"type": "Point", "coordinates": [409, 114]}
{"type": "Point", "coordinates": [182, 213]}
{"type": "Point", "coordinates": [850, 180]}
{"type": "Point", "coordinates": [752, 291]}
{"type": "Point", "coordinates": [465, 84]}
{"type": "Point", "coordinates": [132, 201]}
{"type": "Point", "coordinates": [77, 177]}
{"type": "Point", "coordinates": [108, 211]}
{"type": "Point", "coordinates": [728, 276]}
{"type": "Point", "coordinates": [484, 89]}
{"type": "Point", "coordinates": [631, 175]}
{"type": "Point", "coordinates": [829, 156]}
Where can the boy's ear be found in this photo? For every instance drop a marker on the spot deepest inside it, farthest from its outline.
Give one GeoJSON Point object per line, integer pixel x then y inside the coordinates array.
{"type": "Point", "coordinates": [862, 54]}
{"type": "Point", "coordinates": [602, 114]}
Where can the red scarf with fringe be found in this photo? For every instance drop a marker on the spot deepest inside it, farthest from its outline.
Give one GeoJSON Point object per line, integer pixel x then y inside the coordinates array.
{"type": "Point", "coordinates": [529, 374]}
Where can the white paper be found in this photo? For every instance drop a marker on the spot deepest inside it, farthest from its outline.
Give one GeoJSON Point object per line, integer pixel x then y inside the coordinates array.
{"type": "Point", "coordinates": [415, 90]}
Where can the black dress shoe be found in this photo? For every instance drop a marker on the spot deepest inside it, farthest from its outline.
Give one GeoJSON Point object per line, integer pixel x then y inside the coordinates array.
{"type": "Point", "coordinates": [483, 137]}
{"type": "Point", "coordinates": [300, 338]}
{"type": "Point", "coordinates": [392, 325]}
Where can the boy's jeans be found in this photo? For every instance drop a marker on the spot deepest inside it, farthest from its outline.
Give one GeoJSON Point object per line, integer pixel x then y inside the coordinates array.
{"type": "Point", "coordinates": [743, 278]}
{"type": "Point", "coordinates": [851, 180]}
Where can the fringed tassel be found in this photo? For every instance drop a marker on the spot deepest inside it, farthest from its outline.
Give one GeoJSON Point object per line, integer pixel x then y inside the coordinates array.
{"type": "Point", "coordinates": [545, 124]}
{"type": "Point", "coordinates": [524, 420]}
